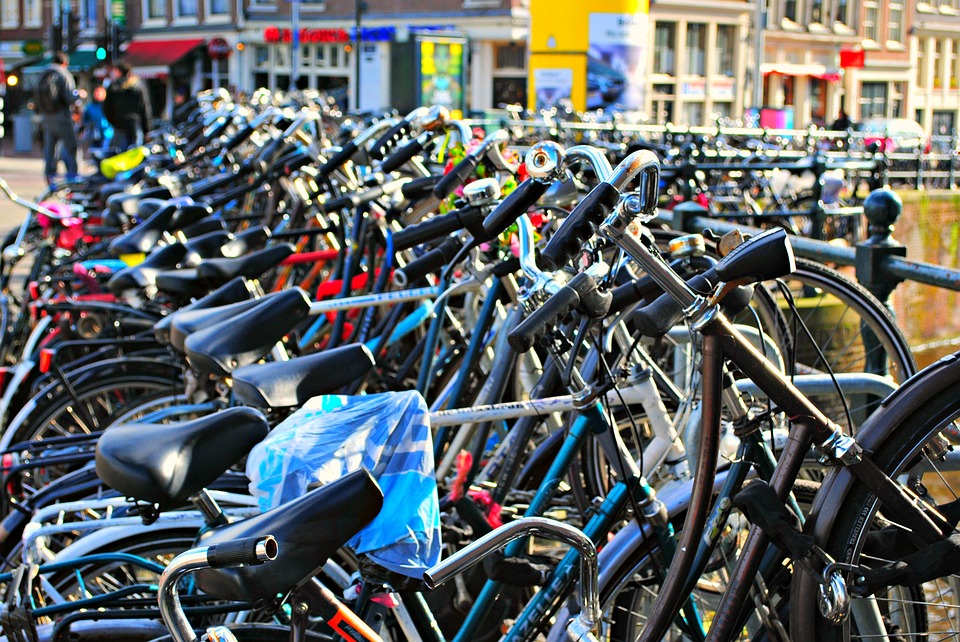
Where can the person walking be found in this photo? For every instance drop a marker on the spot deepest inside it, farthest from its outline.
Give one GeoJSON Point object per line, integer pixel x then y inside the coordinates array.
{"type": "Point", "coordinates": [97, 131]}
{"type": "Point", "coordinates": [54, 97]}
{"type": "Point", "coordinates": [127, 108]}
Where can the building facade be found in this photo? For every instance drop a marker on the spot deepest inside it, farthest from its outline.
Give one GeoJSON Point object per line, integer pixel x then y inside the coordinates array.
{"type": "Point", "coordinates": [934, 84]}
{"type": "Point", "coordinates": [473, 54]}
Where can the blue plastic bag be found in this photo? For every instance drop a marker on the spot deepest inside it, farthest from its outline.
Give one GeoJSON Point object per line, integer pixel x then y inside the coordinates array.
{"type": "Point", "coordinates": [389, 435]}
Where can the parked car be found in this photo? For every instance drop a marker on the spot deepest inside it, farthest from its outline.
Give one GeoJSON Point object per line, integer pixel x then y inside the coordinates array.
{"type": "Point", "coordinates": [895, 134]}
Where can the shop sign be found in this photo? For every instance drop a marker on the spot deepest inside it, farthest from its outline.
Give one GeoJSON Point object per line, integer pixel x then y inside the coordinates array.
{"type": "Point", "coordinates": [722, 89]}
{"type": "Point", "coordinates": [852, 59]}
{"type": "Point", "coordinates": [326, 36]}
{"type": "Point", "coordinates": [32, 48]}
{"type": "Point", "coordinates": [219, 49]}
{"type": "Point", "coordinates": [693, 89]}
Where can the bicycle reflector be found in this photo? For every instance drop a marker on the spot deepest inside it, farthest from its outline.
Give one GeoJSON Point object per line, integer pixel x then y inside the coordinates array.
{"type": "Point", "coordinates": [46, 360]}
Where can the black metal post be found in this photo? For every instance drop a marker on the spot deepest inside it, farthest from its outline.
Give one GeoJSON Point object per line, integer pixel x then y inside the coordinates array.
{"type": "Point", "coordinates": [883, 209]}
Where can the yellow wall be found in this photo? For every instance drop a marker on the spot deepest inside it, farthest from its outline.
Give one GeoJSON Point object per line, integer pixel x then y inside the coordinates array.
{"type": "Point", "coordinates": [559, 38]}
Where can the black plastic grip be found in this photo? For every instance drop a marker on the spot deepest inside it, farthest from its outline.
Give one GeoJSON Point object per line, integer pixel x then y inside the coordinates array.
{"type": "Point", "coordinates": [456, 176]}
{"type": "Point", "coordinates": [397, 159]}
{"type": "Point", "coordinates": [436, 227]}
{"type": "Point", "coordinates": [655, 319]}
{"type": "Point", "coordinates": [301, 158]}
{"type": "Point", "coordinates": [346, 153]}
{"type": "Point", "coordinates": [432, 261]}
{"type": "Point", "coordinates": [389, 139]}
{"type": "Point", "coordinates": [418, 187]}
{"type": "Point", "coordinates": [509, 210]}
{"type": "Point", "coordinates": [234, 141]}
{"type": "Point", "coordinates": [578, 227]}
{"type": "Point", "coordinates": [242, 552]}
{"type": "Point", "coordinates": [353, 199]}
{"type": "Point", "coordinates": [532, 329]}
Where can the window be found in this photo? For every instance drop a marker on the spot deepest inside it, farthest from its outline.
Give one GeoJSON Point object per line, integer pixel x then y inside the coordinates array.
{"type": "Point", "coordinates": [873, 99]}
{"type": "Point", "coordinates": [31, 12]}
{"type": "Point", "coordinates": [790, 10]}
{"type": "Point", "coordinates": [696, 43]}
{"type": "Point", "coordinates": [306, 55]}
{"type": "Point", "coordinates": [89, 18]}
{"type": "Point", "coordinates": [843, 13]}
{"type": "Point", "coordinates": [816, 12]}
{"type": "Point", "coordinates": [937, 57]}
{"type": "Point", "coordinates": [726, 37]}
{"type": "Point", "coordinates": [663, 48]}
{"type": "Point", "coordinates": [261, 56]}
{"type": "Point", "coordinates": [511, 55]}
{"type": "Point", "coordinates": [186, 8]}
{"type": "Point", "coordinates": [871, 20]}
{"type": "Point", "coordinates": [11, 14]}
{"type": "Point", "coordinates": [219, 7]}
{"type": "Point", "coordinates": [693, 114]}
{"type": "Point", "coordinates": [156, 9]}
{"type": "Point", "coordinates": [895, 22]}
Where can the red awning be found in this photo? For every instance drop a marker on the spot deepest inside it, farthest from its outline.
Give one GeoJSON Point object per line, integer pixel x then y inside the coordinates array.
{"type": "Point", "coordinates": [146, 53]}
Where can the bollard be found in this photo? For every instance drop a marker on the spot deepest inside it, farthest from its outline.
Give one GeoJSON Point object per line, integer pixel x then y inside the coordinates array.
{"type": "Point", "coordinates": [920, 185]}
{"type": "Point", "coordinates": [882, 208]}
{"type": "Point", "coordinates": [816, 214]}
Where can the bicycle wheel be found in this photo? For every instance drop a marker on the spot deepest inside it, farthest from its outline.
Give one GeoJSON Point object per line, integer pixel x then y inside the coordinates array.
{"type": "Point", "coordinates": [908, 442]}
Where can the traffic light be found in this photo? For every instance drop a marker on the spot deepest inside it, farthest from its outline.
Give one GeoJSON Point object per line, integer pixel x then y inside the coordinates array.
{"type": "Point", "coordinates": [103, 47]}
{"type": "Point", "coordinates": [73, 31]}
{"type": "Point", "coordinates": [55, 36]}
{"type": "Point", "coordinates": [115, 37]}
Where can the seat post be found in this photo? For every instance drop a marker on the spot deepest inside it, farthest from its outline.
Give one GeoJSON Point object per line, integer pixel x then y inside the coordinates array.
{"type": "Point", "coordinates": [206, 504]}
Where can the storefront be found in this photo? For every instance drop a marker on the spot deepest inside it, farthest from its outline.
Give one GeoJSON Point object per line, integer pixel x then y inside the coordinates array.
{"type": "Point", "coordinates": [477, 65]}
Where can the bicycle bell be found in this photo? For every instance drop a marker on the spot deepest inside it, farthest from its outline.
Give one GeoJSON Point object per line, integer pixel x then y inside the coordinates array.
{"type": "Point", "coordinates": [482, 191]}
{"type": "Point", "coordinates": [545, 161]}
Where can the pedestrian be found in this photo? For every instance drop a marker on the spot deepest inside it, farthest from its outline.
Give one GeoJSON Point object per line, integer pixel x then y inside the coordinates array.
{"type": "Point", "coordinates": [54, 97]}
{"type": "Point", "coordinates": [127, 108]}
{"type": "Point", "coordinates": [842, 123]}
{"type": "Point", "coordinates": [97, 131]}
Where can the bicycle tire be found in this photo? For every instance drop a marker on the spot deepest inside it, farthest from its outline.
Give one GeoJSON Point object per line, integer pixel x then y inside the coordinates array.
{"type": "Point", "coordinates": [898, 440]}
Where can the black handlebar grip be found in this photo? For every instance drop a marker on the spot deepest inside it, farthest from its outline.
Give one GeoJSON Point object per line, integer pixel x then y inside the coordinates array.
{"type": "Point", "coordinates": [436, 227]}
{"type": "Point", "coordinates": [353, 199]}
{"type": "Point", "coordinates": [593, 303]}
{"type": "Point", "coordinates": [242, 552]}
{"type": "Point", "coordinates": [509, 210]}
{"type": "Point", "coordinates": [398, 158]}
{"type": "Point", "coordinates": [234, 141]}
{"type": "Point", "coordinates": [656, 318]}
{"type": "Point", "coordinates": [299, 159]}
{"type": "Point", "coordinates": [387, 141]}
{"type": "Point", "coordinates": [346, 153]}
{"type": "Point", "coordinates": [418, 187]}
{"type": "Point", "coordinates": [456, 176]}
{"type": "Point", "coordinates": [632, 292]}
{"type": "Point", "coordinates": [578, 227]}
{"type": "Point", "coordinates": [432, 261]}
{"type": "Point", "coordinates": [532, 329]}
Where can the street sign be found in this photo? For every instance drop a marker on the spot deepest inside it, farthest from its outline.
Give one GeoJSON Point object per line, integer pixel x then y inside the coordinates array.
{"type": "Point", "coordinates": [219, 49]}
{"type": "Point", "coordinates": [33, 48]}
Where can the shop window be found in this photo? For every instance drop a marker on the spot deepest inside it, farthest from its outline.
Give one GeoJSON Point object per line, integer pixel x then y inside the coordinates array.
{"type": "Point", "coordinates": [306, 55]}
{"type": "Point", "coordinates": [261, 56]}
{"type": "Point", "coordinates": [509, 91]}
{"type": "Point", "coordinates": [321, 55]}
{"type": "Point", "coordinates": [218, 7]}
{"type": "Point", "coordinates": [261, 79]}
{"type": "Point", "coordinates": [726, 40]}
{"type": "Point", "coordinates": [334, 56]}
{"type": "Point", "coordinates": [873, 99]}
{"type": "Point", "coordinates": [664, 47]}
{"type": "Point", "coordinates": [696, 43]}
{"type": "Point", "coordinates": [692, 114]}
